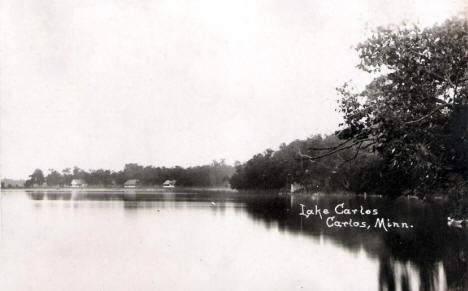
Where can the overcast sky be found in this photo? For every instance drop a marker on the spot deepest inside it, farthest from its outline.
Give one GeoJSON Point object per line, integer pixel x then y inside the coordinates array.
{"type": "Point", "coordinates": [101, 83]}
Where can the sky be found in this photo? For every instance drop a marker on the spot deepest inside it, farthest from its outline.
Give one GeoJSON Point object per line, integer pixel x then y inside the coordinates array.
{"type": "Point", "coordinates": [101, 83]}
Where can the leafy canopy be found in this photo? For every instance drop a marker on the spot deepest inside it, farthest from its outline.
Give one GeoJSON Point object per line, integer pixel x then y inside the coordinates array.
{"type": "Point", "coordinates": [414, 113]}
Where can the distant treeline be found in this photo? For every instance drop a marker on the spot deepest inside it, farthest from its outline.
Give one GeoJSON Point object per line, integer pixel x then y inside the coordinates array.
{"type": "Point", "coordinates": [287, 165]}
{"type": "Point", "coordinates": [216, 174]}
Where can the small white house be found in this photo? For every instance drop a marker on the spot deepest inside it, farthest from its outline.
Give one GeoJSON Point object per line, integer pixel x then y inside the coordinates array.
{"type": "Point", "coordinates": [132, 183]}
{"type": "Point", "coordinates": [169, 184]}
{"type": "Point", "coordinates": [296, 187]}
{"type": "Point", "coordinates": [78, 183]}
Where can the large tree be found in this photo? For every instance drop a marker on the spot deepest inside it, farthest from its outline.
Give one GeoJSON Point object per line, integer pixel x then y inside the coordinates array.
{"type": "Point", "coordinates": [36, 178]}
{"type": "Point", "coordinates": [54, 178]}
{"type": "Point", "coordinates": [414, 113]}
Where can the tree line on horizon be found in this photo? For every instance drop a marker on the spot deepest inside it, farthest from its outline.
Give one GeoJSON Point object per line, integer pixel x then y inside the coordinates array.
{"type": "Point", "coordinates": [215, 174]}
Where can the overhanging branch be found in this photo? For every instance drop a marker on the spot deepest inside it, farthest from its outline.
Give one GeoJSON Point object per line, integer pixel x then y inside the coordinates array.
{"type": "Point", "coordinates": [336, 149]}
{"type": "Point", "coordinates": [330, 148]}
{"type": "Point", "coordinates": [427, 115]}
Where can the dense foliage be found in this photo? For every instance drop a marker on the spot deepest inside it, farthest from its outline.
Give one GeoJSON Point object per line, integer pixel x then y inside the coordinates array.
{"type": "Point", "coordinates": [36, 178]}
{"type": "Point", "coordinates": [278, 169]}
{"type": "Point", "coordinates": [406, 132]}
{"type": "Point", "coordinates": [215, 174]}
{"type": "Point", "coordinates": [415, 111]}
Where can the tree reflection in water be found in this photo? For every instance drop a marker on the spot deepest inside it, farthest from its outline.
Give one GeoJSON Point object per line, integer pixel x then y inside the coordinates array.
{"type": "Point", "coordinates": [430, 256]}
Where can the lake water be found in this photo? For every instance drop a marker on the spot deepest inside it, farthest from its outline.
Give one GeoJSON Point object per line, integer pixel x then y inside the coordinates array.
{"type": "Point", "coordinates": [214, 240]}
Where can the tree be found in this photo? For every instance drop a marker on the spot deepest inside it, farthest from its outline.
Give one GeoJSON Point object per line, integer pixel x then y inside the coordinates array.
{"type": "Point", "coordinates": [79, 173]}
{"type": "Point", "coordinates": [67, 176]}
{"type": "Point", "coordinates": [54, 178]}
{"type": "Point", "coordinates": [414, 113]}
{"type": "Point", "coordinates": [100, 177]}
{"type": "Point", "coordinates": [133, 171]}
{"type": "Point", "coordinates": [36, 178]}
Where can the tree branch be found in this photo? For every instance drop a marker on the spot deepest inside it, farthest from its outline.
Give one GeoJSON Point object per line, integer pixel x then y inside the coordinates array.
{"type": "Point", "coordinates": [334, 150]}
{"type": "Point", "coordinates": [355, 155]}
{"type": "Point", "coordinates": [427, 115]}
{"type": "Point", "coordinates": [330, 148]}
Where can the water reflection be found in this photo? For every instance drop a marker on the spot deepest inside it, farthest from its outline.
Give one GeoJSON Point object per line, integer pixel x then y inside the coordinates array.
{"type": "Point", "coordinates": [429, 256]}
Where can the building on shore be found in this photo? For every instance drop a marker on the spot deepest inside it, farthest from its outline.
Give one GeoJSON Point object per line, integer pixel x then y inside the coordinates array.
{"type": "Point", "coordinates": [132, 183]}
{"type": "Point", "coordinates": [296, 187]}
{"type": "Point", "coordinates": [169, 184]}
{"type": "Point", "coordinates": [78, 183]}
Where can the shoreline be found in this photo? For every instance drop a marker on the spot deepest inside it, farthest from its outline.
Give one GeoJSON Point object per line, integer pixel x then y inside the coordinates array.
{"type": "Point", "coordinates": [117, 189]}
{"type": "Point", "coordinates": [216, 189]}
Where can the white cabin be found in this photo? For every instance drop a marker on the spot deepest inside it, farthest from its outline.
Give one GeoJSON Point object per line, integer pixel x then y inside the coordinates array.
{"type": "Point", "coordinates": [78, 183]}
{"type": "Point", "coordinates": [296, 187]}
{"type": "Point", "coordinates": [169, 184]}
{"type": "Point", "coordinates": [132, 183]}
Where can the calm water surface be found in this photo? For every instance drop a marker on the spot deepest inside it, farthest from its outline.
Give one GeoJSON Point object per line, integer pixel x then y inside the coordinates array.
{"type": "Point", "coordinates": [210, 240]}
